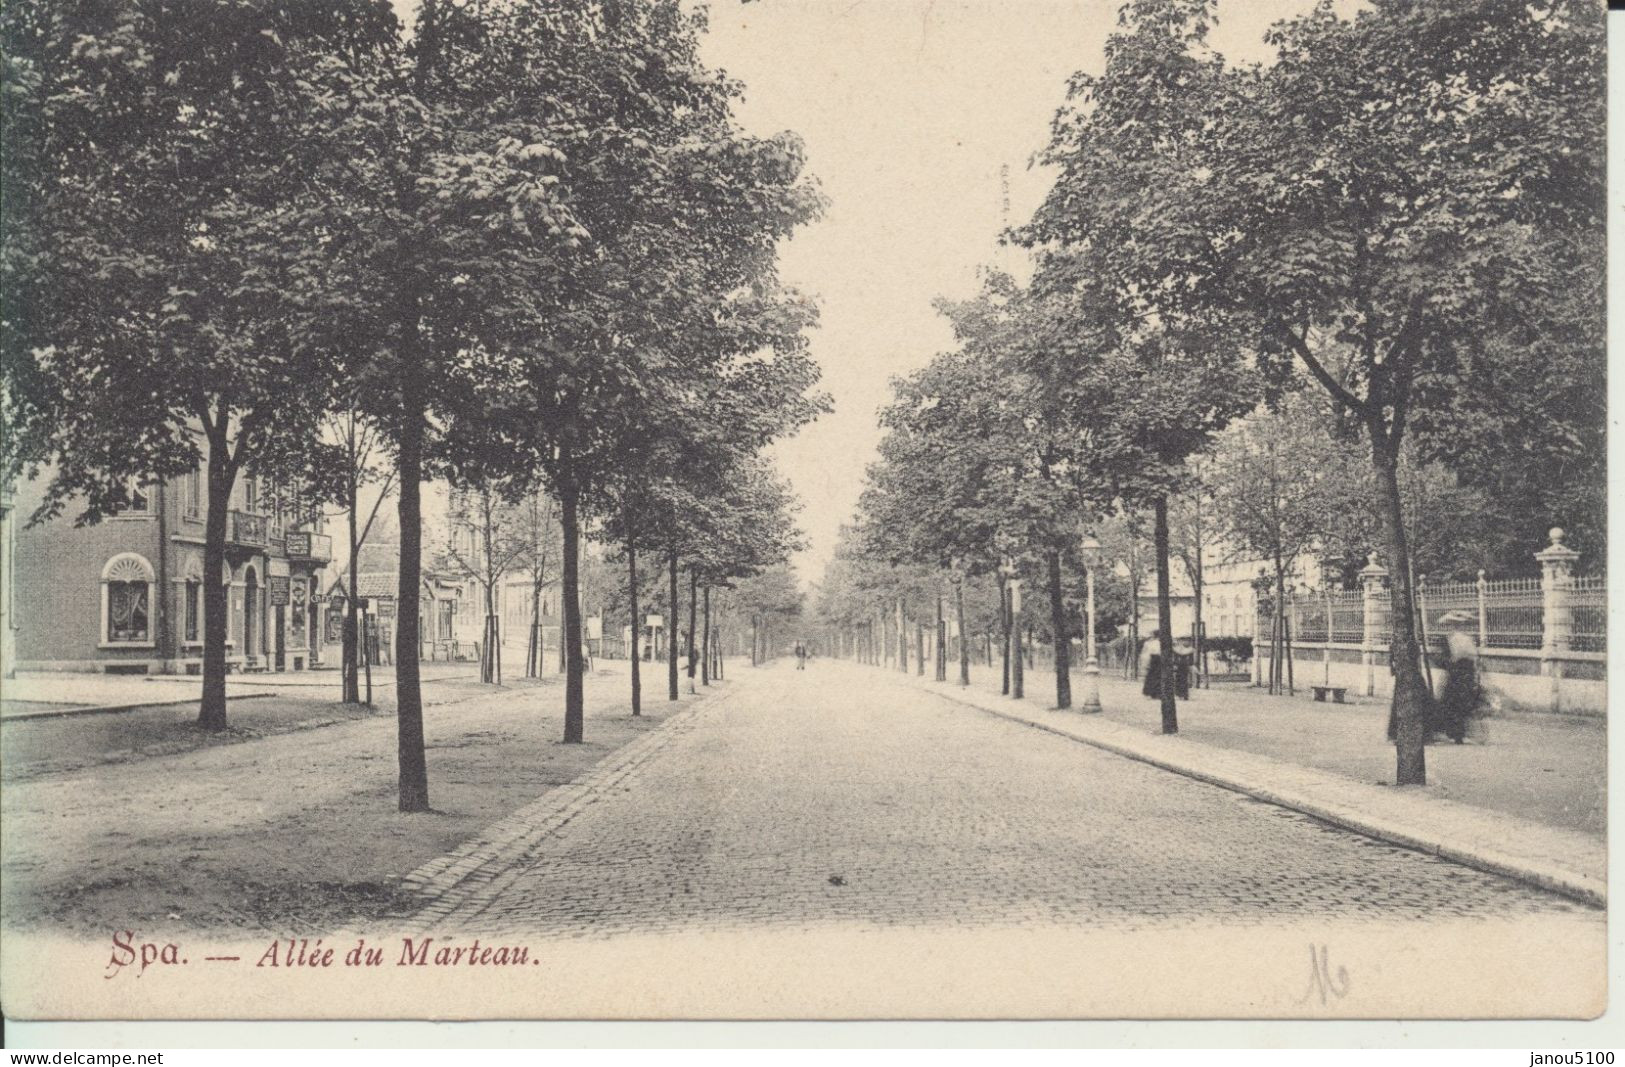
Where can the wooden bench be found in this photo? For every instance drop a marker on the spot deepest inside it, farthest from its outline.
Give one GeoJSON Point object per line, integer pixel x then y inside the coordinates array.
{"type": "Point", "coordinates": [1337, 693]}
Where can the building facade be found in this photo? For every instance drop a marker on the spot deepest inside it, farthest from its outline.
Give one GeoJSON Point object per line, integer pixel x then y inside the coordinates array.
{"type": "Point", "coordinates": [8, 556]}
{"type": "Point", "coordinates": [126, 595]}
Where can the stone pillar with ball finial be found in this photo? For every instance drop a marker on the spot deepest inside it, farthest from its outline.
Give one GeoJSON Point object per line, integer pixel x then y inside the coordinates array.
{"type": "Point", "coordinates": [1373, 580]}
{"type": "Point", "coordinates": [1557, 618]}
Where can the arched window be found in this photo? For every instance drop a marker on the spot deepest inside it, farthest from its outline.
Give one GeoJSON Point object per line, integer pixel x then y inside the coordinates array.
{"type": "Point", "coordinates": [127, 601]}
{"type": "Point", "coordinates": [192, 602]}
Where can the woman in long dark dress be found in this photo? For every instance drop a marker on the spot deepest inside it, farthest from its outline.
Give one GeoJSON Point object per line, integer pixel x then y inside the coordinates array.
{"type": "Point", "coordinates": [1452, 712]}
{"type": "Point", "coordinates": [1463, 697]}
{"type": "Point", "coordinates": [1152, 686]}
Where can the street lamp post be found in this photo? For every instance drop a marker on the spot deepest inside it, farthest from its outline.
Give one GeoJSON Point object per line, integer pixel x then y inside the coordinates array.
{"type": "Point", "coordinates": [1017, 668]}
{"type": "Point", "coordinates": [1089, 550]}
{"type": "Point", "coordinates": [959, 621]}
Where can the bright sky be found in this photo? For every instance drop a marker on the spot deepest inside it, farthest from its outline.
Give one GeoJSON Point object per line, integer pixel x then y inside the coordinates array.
{"type": "Point", "coordinates": [910, 108]}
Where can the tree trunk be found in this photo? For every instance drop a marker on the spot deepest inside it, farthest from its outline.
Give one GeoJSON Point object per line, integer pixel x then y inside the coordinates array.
{"type": "Point", "coordinates": [940, 659]}
{"type": "Point", "coordinates": [1063, 640]}
{"type": "Point", "coordinates": [1278, 648]}
{"type": "Point", "coordinates": [1201, 633]}
{"type": "Point", "coordinates": [221, 474]}
{"type": "Point", "coordinates": [1018, 668]}
{"type": "Point", "coordinates": [1411, 696]}
{"type": "Point", "coordinates": [902, 637]}
{"type": "Point", "coordinates": [533, 654]}
{"type": "Point", "coordinates": [351, 666]}
{"type": "Point", "coordinates": [636, 627]}
{"type": "Point", "coordinates": [1165, 623]}
{"type": "Point", "coordinates": [570, 593]}
{"type": "Point", "coordinates": [491, 670]}
{"type": "Point", "coordinates": [564, 665]}
{"type": "Point", "coordinates": [964, 635]}
{"type": "Point", "coordinates": [693, 647]}
{"type": "Point", "coordinates": [1004, 633]}
{"type": "Point", "coordinates": [705, 644]}
{"type": "Point", "coordinates": [1134, 603]}
{"type": "Point", "coordinates": [671, 627]}
{"type": "Point", "coordinates": [414, 767]}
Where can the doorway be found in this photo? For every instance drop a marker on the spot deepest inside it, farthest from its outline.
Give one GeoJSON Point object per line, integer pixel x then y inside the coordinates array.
{"type": "Point", "coordinates": [251, 616]}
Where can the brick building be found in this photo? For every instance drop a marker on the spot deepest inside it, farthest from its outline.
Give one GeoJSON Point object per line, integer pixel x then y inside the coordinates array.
{"type": "Point", "coordinates": [126, 594]}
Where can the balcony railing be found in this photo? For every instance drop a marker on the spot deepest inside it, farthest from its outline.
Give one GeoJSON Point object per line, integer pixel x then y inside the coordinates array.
{"type": "Point", "coordinates": [311, 546]}
{"type": "Point", "coordinates": [248, 530]}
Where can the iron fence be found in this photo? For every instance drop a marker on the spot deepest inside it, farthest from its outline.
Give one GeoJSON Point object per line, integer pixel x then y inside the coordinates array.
{"type": "Point", "coordinates": [1588, 610]}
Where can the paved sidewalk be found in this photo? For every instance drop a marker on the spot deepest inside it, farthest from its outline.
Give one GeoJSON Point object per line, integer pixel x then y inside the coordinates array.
{"type": "Point", "coordinates": [46, 694]}
{"type": "Point", "coordinates": [1550, 769]}
{"type": "Point", "coordinates": [1565, 860]}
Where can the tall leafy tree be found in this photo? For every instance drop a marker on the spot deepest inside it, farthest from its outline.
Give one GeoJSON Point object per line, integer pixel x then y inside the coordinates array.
{"type": "Point", "coordinates": [459, 188]}
{"type": "Point", "coordinates": [1403, 200]}
{"type": "Point", "coordinates": [1150, 376]}
{"type": "Point", "coordinates": [672, 286]}
{"type": "Point", "coordinates": [167, 174]}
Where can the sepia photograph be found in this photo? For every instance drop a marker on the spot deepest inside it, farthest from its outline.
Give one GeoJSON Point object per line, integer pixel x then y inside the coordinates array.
{"type": "Point", "coordinates": [803, 510]}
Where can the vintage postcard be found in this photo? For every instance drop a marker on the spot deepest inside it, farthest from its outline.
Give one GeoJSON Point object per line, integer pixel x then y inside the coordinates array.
{"type": "Point", "coordinates": [803, 509]}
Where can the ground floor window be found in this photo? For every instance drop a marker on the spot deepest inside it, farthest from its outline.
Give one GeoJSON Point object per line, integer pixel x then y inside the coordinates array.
{"type": "Point", "coordinates": [191, 609]}
{"type": "Point", "coordinates": [127, 600]}
{"type": "Point", "coordinates": [127, 611]}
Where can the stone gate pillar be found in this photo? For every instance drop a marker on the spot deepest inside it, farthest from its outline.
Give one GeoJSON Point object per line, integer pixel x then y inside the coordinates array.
{"type": "Point", "coordinates": [1373, 578]}
{"type": "Point", "coordinates": [1557, 619]}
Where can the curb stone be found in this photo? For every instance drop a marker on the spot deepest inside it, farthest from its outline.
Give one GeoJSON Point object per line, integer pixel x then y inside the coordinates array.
{"type": "Point", "coordinates": [112, 709]}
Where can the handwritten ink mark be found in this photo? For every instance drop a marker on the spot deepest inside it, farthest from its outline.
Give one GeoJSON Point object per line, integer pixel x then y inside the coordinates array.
{"type": "Point", "coordinates": [1321, 980]}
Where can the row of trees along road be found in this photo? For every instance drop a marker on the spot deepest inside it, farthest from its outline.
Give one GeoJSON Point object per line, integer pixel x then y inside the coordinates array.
{"type": "Point", "coordinates": [526, 243]}
{"type": "Point", "coordinates": [1401, 210]}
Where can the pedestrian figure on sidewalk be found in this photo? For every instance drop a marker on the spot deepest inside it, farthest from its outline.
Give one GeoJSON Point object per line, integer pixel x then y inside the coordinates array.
{"type": "Point", "coordinates": [1462, 705]}
{"type": "Point", "coordinates": [1459, 708]}
{"type": "Point", "coordinates": [801, 656]}
{"type": "Point", "coordinates": [1152, 686]}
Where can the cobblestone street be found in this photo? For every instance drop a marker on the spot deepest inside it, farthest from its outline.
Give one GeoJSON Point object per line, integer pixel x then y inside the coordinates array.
{"type": "Point", "coordinates": [839, 797]}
